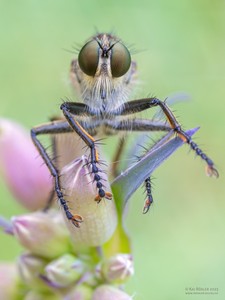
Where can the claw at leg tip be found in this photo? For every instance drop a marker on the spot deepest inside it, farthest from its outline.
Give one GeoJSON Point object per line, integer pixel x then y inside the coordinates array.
{"type": "Point", "coordinates": [98, 199]}
{"type": "Point", "coordinates": [211, 171]}
{"type": "Point", "coordinates": [107, 195]}
{"type": "Point", "coordinates": [146, 206]}
{"type": "Point", "coordinates": [77, 220]}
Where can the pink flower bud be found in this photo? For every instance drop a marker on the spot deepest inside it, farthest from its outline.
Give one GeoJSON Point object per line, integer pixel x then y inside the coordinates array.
{"type": "Point", "coordinates": [8, 281]}
{"type": "Point", "coordinates": [110, 293]}
{"type": "Point", "coordinates": [43, 234]}
{"type": "Point", "coordinates": [99, 218]}
{"type": "Point", "coordinates": [118, 268]}
{"type": "Point", "coordinates": [22, 167]}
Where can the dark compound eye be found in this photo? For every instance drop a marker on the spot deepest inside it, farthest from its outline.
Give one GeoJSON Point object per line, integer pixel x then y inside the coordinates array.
{"type": "Point", "coordinates": [120, 60]}
{"type": "Point", "coordinates": [88, 58]}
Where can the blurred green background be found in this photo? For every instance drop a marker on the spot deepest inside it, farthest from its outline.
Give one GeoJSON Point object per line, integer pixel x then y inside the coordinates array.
{"type": "Point", "coordinates": [181, 45]}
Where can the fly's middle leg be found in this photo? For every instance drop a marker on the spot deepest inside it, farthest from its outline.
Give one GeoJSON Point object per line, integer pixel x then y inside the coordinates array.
{"type": "Point", "coordinates": [70, 109]}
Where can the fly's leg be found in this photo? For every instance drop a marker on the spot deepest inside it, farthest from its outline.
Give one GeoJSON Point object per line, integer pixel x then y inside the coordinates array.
{"type": "Point", "coordinates": [147, 182]}
{"type": "Point", "coordinates": [149, 198]}
{"type": "Point", "coordinates": [149, 125]}
{"type": "Point", "coordinates": [142, 104]}
{"type": "Point", "coordinates": [210, 170]}
{"type": "Point", "coordinates": [52, 195]}
{"type": "Point", "coordinates": [53, 128]}
{"type": "Point", "coordinates": [139, 125]}
{"type": "Point", "coordinates": [69, 109]}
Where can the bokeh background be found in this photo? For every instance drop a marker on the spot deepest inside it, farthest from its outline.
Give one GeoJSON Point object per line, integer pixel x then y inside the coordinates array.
{"type": "Point", "coordinates": [180, 48]}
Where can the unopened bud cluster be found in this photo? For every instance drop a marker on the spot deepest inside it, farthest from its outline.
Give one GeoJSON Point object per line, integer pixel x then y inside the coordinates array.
{"type": "Point", "coordinates": [60, 261]}
{"type": "Point", "coordinates": [52, 267]}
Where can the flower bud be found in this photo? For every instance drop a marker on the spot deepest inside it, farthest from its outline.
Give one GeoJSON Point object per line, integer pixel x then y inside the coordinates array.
{"type": "Point", "coordinates": [30, 268]}
{"type": "Point", "coordinates": [110, 293]}
{"type": "Point", "coordinates": [64, 270]}
{"type": "Point", "coordinates": [99, 218]}
{"type": "Point", "coordinates": [22, 167]}
{"type": "Point", "coordinates": [8, 281]}
{"type": "Point", "coordinates": [43, 234]}
{"type": "Point", "coordinates": [118, 268]}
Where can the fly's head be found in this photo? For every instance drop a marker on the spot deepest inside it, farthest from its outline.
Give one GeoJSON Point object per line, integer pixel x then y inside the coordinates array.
{"type": "Point", "coordinates": [103, 73]}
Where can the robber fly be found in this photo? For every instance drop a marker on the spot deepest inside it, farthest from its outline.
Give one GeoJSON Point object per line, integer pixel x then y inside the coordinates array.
{"type": "Point", "coordinates": [105, 74]}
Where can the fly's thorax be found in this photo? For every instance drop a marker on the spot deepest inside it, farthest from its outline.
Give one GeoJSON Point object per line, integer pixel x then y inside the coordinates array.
{"type": "Point", "coordinates": [103, 92]}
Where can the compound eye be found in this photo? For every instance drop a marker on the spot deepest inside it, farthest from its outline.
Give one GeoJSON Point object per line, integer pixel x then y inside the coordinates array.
{"type": "Point", "coordinates": [88, 58]}
{"type": "Point", "coordinates": [120, 60]}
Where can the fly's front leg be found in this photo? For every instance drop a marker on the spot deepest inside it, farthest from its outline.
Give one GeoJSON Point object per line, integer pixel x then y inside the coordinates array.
{"type": "Point", "coordinates": [142, 104]}
{"type": "Point", "coordinates": [211, 170]}
{"type": "Point", "coordinates": [69, 109]}
{"type": "Point", "coordinates": [54, 128]}
{"type": "Point", "coordinates": [149, 125]}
